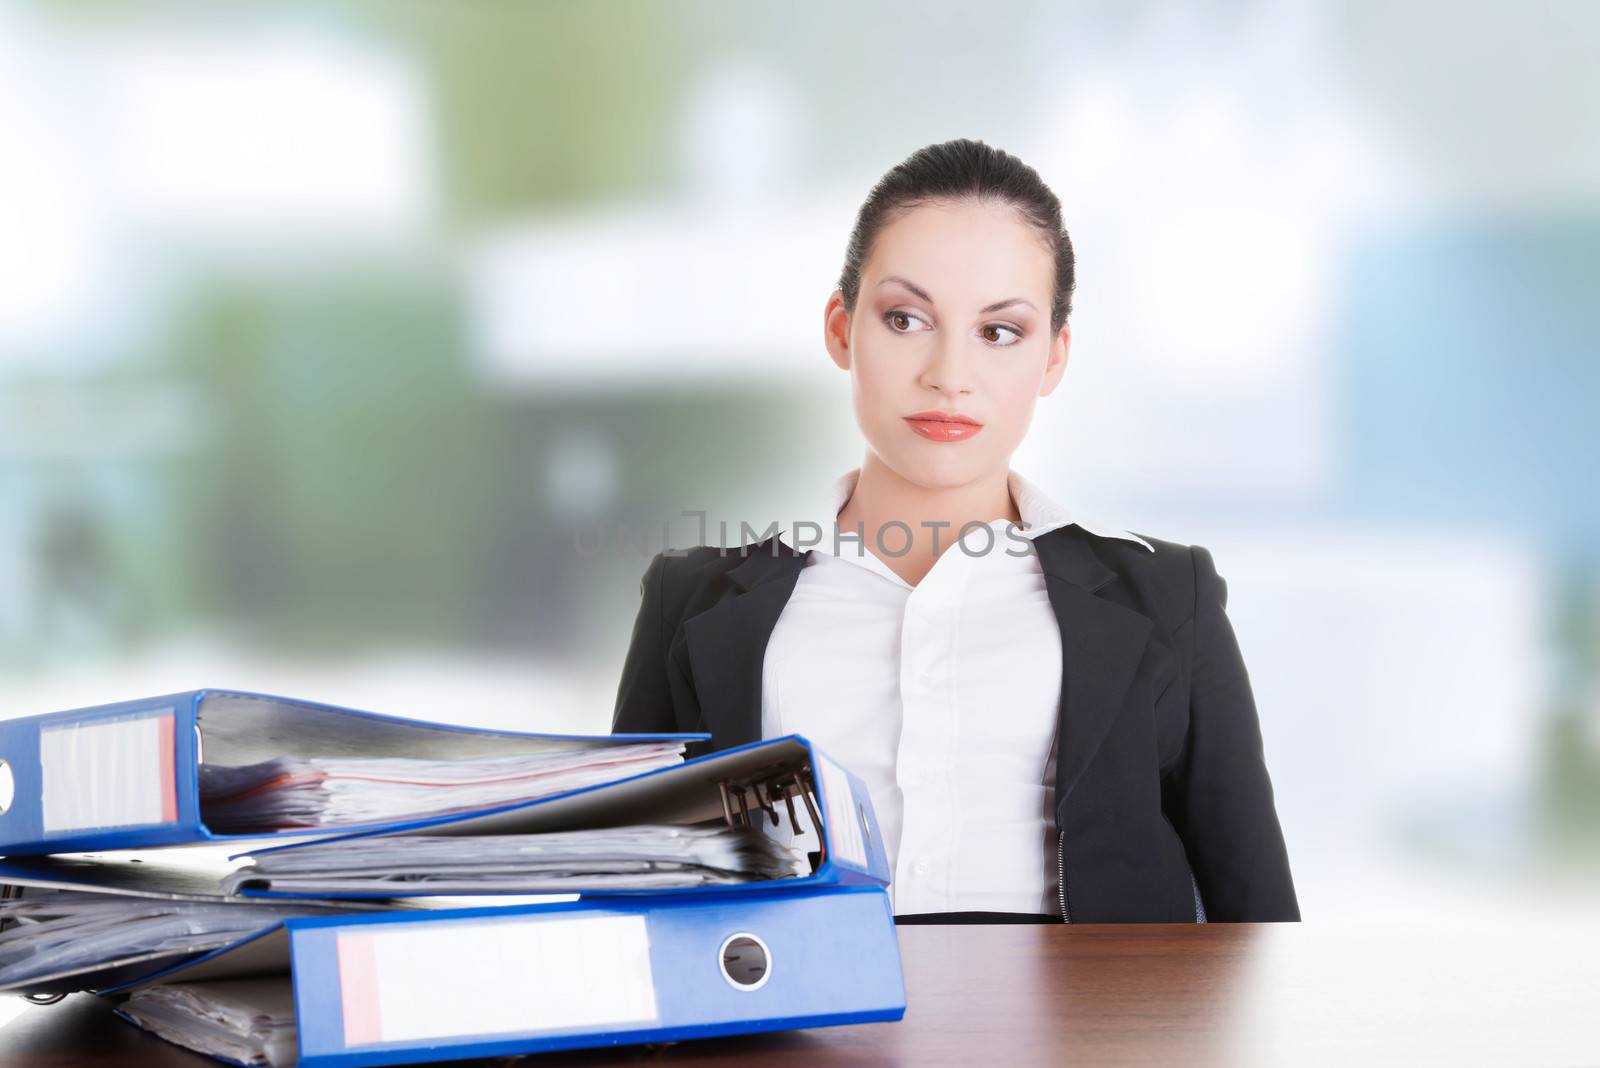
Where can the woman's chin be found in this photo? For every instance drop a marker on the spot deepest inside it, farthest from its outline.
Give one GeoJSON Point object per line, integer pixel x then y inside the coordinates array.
{"type": "Point", "coordinates": [939, 466]}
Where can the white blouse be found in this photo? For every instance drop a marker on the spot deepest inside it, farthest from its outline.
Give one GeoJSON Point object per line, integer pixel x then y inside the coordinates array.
{"type": "Point", "coordinates": [942, 697]}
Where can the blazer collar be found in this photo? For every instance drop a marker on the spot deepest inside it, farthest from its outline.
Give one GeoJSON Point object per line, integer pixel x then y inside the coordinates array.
{"type": "Point", "coordinates": [767, 560]}
{"type": "Point", "coordinates": [1102, 644]}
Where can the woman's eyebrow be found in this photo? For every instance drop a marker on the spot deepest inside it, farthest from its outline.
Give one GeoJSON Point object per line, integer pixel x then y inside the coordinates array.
{"type": "Point", "coordinates": [922, 294]}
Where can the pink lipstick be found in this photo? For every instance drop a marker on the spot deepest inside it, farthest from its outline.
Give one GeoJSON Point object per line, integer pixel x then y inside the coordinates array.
{"type": "Point", "coordinates": [944, 426]}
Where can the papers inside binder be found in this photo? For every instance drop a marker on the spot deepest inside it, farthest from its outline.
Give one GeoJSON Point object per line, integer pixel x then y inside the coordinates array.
{"type": "Point", "coordinates": [248, 1021]}
{"type": "Point", "coordinates": [49, 936]}
{"type": "Point", "coordinates": [269, 765]}
{"type": "Point", "coordinates": [637, 857]}
{"type": "Point", "coordinates": [297, 792]}
{"type": "Point", "coordinates": [769, 787]}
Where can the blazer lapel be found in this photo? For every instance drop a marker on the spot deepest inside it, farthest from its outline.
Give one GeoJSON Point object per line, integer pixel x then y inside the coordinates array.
{"type": "Point", "coordinates": [727, 642]}
{"type": "Point", "coordinates": [1102, 643]}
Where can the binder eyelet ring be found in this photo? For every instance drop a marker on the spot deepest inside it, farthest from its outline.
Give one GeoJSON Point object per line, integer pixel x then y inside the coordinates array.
{"type": "Point", "coordinates": [745, 960]}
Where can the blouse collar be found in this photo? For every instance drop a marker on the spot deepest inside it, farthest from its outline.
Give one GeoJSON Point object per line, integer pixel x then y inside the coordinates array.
{"type": "Point", "coordinates": [1040, 515]}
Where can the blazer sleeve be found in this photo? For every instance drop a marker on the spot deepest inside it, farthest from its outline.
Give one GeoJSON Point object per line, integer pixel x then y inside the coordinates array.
{"type": "Point", "coordinates": [1224, 806]}
{"type": "Point", "coordinates": [644, 698]}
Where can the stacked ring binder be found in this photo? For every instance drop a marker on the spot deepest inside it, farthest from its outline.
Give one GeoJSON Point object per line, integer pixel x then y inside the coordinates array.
{"type": "Point", "coordinates": [734, 892]}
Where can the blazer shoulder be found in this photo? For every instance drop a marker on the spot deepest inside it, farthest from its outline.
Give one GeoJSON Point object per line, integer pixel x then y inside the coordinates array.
{"type": "Point", "coordinates": [689, 576]}
{"type": "Point", "coordinates": [1163, 581]}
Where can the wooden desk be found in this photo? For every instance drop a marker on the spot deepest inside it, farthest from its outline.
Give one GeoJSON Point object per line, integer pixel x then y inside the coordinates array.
{"type": "Point", "coordinates": [1223, 994]}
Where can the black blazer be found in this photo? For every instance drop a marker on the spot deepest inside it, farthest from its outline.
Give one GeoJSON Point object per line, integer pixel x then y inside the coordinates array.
{"type": "Point", "coordinates": [1162, 796]}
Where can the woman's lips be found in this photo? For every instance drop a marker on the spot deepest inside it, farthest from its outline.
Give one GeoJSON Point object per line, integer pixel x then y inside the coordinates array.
{"type": "Point", "coordinates": [944, 426]}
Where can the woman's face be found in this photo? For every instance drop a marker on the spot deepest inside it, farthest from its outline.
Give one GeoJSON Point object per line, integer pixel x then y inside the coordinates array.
{"type": "Point", "coordinates": [953, 316]}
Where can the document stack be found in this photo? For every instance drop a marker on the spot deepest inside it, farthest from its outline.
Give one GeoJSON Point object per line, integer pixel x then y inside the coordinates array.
{"type": "Point", "coordinates": [374, 904]}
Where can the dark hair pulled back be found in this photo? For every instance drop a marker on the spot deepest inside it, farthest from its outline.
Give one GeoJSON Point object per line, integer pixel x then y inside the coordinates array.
{"type": "Point", "coordinates": [963, 169]}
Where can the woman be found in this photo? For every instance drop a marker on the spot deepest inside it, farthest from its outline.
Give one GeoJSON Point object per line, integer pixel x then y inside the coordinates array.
{"type": "Point", "coordinates": [1052, 715]}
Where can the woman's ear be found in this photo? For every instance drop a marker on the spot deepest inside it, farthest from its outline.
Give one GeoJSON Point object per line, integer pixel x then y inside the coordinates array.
{"type": "Point", "coordinates": [1056, 365]}
{"type": "Point", "coordinates": [836, 330]}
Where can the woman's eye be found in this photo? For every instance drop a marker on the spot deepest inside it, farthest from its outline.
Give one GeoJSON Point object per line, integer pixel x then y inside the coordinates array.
{"type": "Point", "coordinates": [1016, 335]}
{"type": "Point", "coordinates": [895, 319]}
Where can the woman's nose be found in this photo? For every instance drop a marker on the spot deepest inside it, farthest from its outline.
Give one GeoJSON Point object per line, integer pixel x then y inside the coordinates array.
{"type": "Point", "coordinates": [949, 370]}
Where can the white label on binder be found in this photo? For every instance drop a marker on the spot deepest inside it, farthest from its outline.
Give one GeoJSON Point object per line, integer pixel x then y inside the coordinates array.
{"type": "Point", "coordinates": [461, 979]}
{"type": "Point", "coordinates": [108, 773]}
{"type": "Point", "coordinates": [844, 831]}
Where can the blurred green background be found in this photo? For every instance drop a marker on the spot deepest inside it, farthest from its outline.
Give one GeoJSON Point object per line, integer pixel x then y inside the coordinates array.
{"type": "Point", "coordinates": [330, 333]}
